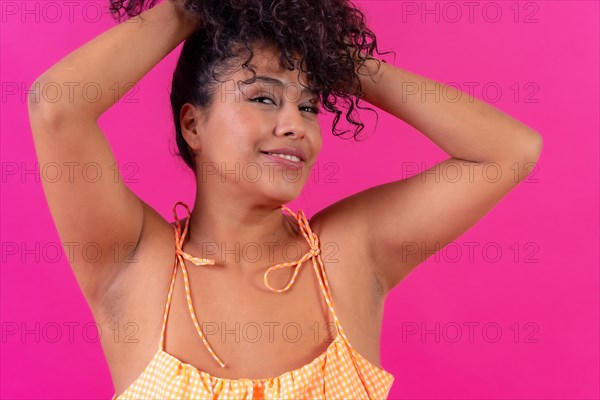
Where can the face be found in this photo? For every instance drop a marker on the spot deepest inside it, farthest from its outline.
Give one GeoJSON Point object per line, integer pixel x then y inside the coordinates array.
{"type": "Point", "coordinates": [273, 114]}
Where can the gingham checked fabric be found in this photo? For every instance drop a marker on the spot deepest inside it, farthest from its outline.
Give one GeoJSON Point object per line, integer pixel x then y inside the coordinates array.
{"type": "Point", "coordinates": [338, 373]}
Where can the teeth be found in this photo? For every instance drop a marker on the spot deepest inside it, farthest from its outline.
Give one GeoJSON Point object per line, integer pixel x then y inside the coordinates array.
{"type": "Point", "coordinates": [287, 157]}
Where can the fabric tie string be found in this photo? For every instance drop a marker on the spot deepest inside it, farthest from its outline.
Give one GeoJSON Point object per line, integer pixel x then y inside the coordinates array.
{"type": "Point", "coordinates": [310, 236]}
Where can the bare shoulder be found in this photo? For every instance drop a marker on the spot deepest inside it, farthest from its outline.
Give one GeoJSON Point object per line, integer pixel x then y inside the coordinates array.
{"type": "Point", "coordinates": [149, 265]}
{"type": "Point", "coordinates": [342, 231]}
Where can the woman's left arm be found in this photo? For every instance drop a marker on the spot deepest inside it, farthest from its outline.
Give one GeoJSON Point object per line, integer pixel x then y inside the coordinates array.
{"type": "Point", "coordinates": [463, 126]}
{"type": "Point", "coordinates": [398, 225]}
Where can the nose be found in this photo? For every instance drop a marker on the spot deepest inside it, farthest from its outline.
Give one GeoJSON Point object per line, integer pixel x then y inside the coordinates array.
{"type": "Point", "coordinates": [290, 122]}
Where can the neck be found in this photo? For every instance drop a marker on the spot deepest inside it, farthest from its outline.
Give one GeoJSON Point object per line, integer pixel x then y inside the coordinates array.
{"type": "Point", "coordinates": [241, 233]}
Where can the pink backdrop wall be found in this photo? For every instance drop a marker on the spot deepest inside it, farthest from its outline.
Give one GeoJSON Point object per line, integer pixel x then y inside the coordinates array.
{"type": "Point", "coordinates": [515, 319]}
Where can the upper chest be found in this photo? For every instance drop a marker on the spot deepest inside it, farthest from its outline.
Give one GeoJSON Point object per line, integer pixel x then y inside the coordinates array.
{"type": "Point", "coordinates": [258, 332]}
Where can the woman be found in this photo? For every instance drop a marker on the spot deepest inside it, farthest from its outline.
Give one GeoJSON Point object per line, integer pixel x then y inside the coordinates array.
{"type": "Point", "coordinates": [250, 82]}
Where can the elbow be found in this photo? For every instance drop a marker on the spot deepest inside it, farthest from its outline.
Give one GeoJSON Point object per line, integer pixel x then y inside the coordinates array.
{"type": "Point", "coordinates": [529, 155]}
{"type": "Point", "coordinates": [533, 148]}
{"type": "Point", "coordinates": [50, 105]}
{"type": "Point", "coordinates": [40, 109]}
{"type": "Point", "coordinates": [34, 97]}
{"type": "Point", "coordinates": [49, 108]}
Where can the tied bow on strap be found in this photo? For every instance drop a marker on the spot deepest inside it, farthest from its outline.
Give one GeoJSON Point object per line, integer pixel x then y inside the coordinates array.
{"type": "Point", "coordinates": [314, 251]}
{"type": "Point", "coordinates": [180, 238]}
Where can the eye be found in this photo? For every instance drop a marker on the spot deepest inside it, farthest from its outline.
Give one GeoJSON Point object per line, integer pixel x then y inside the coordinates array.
{"type": "Point", "coordinates": [263, 98]}
{"type": "Point", "coordinates": [313, 110]}
{"type": "Point", "coordinates": [260, 99]}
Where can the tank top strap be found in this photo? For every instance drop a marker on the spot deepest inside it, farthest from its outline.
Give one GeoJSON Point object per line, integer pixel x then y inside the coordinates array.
{"type": "Point", "coordinates": [166, 312]}
{"type": "Point", "coordinates": [180, 255]}
{"type": "Point", "coordinates": [315, 254]}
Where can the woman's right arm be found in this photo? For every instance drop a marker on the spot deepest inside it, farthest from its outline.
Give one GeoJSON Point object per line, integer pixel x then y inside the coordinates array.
{"type": "Point", "coordinates": [90, 204]}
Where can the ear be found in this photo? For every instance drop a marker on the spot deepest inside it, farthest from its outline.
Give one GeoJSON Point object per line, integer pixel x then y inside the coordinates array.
{"type": "Point", "coordinates": [191, 125]}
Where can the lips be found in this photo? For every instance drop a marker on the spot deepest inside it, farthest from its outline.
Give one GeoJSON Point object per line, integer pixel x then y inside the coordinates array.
{"type": "Point", "coordinates": [290, 151]}
{"type": "Point", "coordinates": [284, 162]}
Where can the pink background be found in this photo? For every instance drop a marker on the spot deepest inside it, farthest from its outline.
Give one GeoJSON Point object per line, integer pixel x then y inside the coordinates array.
{"type": "Point", "coordinates": [542, 292]}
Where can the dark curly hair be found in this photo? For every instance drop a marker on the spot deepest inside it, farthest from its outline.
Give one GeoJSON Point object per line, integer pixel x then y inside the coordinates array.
{"type": "Point", "coordinates": [330, 36]}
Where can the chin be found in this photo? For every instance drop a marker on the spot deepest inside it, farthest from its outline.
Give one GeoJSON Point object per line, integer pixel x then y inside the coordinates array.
{"type": "Point", "coordinates": [284, 196]}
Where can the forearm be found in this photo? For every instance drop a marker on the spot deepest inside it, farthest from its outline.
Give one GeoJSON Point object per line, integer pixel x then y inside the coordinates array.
{"type": "Point", "coordinates": [463, 126]}
{"type": "Point", "coordinates": [111, 63]}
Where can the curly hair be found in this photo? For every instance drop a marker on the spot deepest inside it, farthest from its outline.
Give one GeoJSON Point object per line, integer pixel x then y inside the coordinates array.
{"type": "Point", "coordinates": [330, 36]}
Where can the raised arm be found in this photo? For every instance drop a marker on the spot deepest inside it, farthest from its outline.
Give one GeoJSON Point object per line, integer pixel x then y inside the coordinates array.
{"type": "Point", "coordinates": [92, 208]}
{"type": "Point", "coordinates": [114, 60]}
{"type": "Point", "coordinates": [407, 221]}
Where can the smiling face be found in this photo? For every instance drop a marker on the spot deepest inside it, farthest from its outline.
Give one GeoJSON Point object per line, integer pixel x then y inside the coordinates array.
{"type": "Point", "coordinates": [245, 120]}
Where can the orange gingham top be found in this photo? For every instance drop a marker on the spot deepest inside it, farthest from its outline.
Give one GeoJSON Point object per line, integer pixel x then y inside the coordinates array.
{"type": "Point", "coordinates": [338, 373]}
